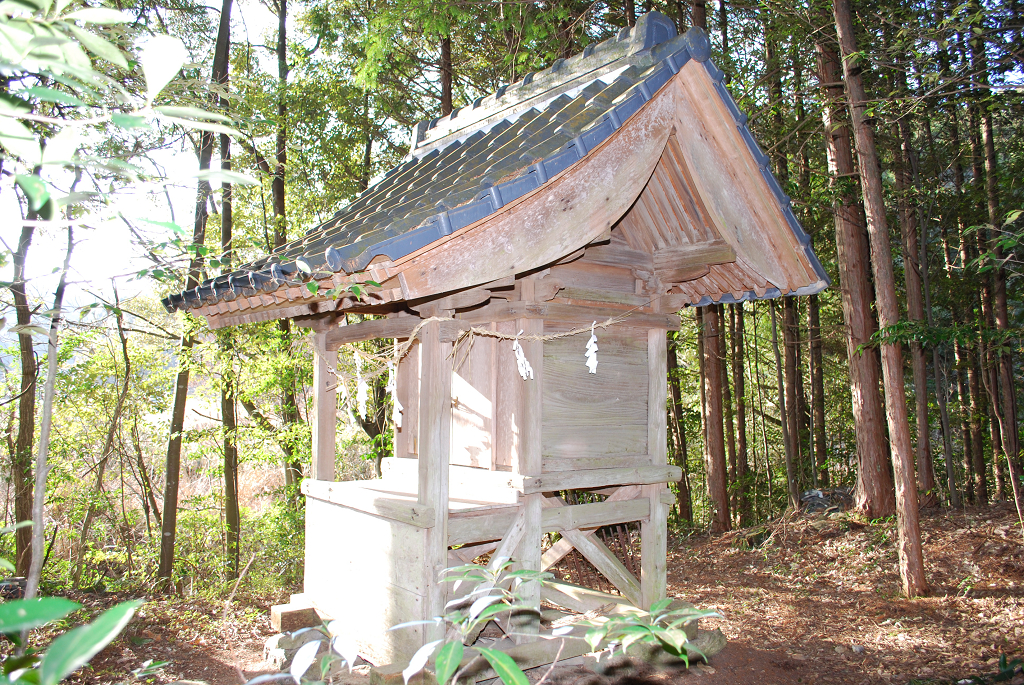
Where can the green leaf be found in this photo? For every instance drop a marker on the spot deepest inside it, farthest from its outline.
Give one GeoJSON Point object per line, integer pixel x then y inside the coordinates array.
{"type": "Point", "coordinates": [503, 665]}
{"type": "Point", "coordinates": [18, 140]}
{"type": "Point", "coordinates": [51, 95]}
{"type": "Point", "coordinates": [99, 15]}
{"type": "Point", "coordinates": [73, 649]}
{"type": "Point", "coordinates": [101, 47]}
{"type": "Point", "coordinates": [6, 565]}
{"type": "Point", "coordinates": [419, 660]}
{"type": "Point", "coordinates": [129, 121]}
{"type": "Point", "coordinates": [313, 287]}
{"type": "Point", "coordinates": [22, 614]}
{"type": "Point", "coordinates": [659, 607]}
{"type": "Point", "coordinates": [448, 659]}
{"type": "Point", "coordinates": [192, 113]}
{"type": "Point", "coordinates": [303, 266]}
{"type": "Point", "coordinates": [35, 190]}
{"type": "Point", "coordinates": [161, 59]}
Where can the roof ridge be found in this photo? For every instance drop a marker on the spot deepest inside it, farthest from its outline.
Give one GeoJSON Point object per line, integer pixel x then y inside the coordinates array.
{"type": "Point", "coordinates": [651, 29]}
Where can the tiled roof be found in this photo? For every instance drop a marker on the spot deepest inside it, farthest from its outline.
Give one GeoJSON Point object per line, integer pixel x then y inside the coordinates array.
{"type": "Point", "coordinates": [464, 167]}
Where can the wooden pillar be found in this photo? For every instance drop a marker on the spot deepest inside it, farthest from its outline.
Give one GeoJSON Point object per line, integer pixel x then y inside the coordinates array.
{"type": "Point", "coordinates": [654, 532]}
{"type": "Point", "coordinates": [529, 553]}
{"type": "Point", "coordinates": [435, 424]}
{"type": "Point", "coordinates": [325, 408]}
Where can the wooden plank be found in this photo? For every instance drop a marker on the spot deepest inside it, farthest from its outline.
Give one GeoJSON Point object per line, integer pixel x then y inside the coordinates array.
{"type": "Point", "coordinates": [578, 598]}
{"type": "Point", "coordinates": [325, 411]}
{"type": "Point", "coordinates": [594, 515]}
{"type": "Point", "coordinates": [435, 446]}
{"type": "Point", "coordinates": [741, 204]}
{"type": "Point", "coordinates": [508, 401]}
{"type": "Point", "coordinates": [685, 262]}
{"type": "Point", "coordinates": [569, 441]}
{"type": "Point", "coordinates": [465, 530]}
{"type": "Point", "coordinates": [654, 530]}
{"type": "Point", "coordinates": [619, 254]}
{"type": "Point", "coordinates": [392, 327]}
{"type": "Point", "coordinates": [607, 563]}
{"type": "Point", "coordinates": [472, 420]}
{"type": "Point", "coordinates": [526, 625]}
{"type": "Point", "coordinates": [552, 464]}
{"type": "Point", "coordinates": [597, 478]}
{"type": "Point", "coordinates": [408, 383]}
{"type": "Point", "coordinates": [577, 314]}
{"type": "Point", "coordinates": [566, 214]}
{"type": "Point", "coordinates": [467, 553]}
{"type": "Point", "coordinates": [558, 550]}
{"type": "Point", "coordinates": [352, 495]}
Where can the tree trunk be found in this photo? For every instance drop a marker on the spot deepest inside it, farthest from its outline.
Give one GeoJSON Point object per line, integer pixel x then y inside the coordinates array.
{"type": "Point", "coordinates": [21, 458]}
{"type": "Point", "coordinates": [42, 467]}
{"type": "Point", "coordinates": [909, 548]}
{"type": "Point", "coordinates": [715, 444]}
{"type": "Point", "coordinates": [874, 481]}
{"type": "Point", "coordinates": [915, 309]}
{"type": "Point", "coordinates": [168, 529]}
{"type": "Point", "coordinates": [730, 434]}
{"type": "Point", "coordinates": [787, 435]}
{"type": "Point", "coordinates": [629, 12]}
{"type": "Point", "coordinates": [1005, 407]}
{"type": "Point", "coordinates": [817, 391]}
{"type": "Point", "coordinates": [792, 373]}
{"type": "Point", "coordinates": [699, 14]}
{"type": "Point", "coordinates": [683, 499]}
{"type": "Point", "coordinates": [739, 388]}
{"type": "Point", "coordinates": [446, 76]}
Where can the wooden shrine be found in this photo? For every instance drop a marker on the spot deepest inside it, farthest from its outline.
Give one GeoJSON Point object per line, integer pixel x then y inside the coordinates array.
{"type": "Point", "coordinates": [621, 184]}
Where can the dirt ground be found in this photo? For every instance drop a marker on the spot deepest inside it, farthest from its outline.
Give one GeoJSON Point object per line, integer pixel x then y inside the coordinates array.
{"type": "Point", "coordinates": [811, 600]}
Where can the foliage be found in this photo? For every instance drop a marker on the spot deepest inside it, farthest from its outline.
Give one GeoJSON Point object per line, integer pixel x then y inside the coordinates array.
{"type": "Point", "coordinates": [661, 627]}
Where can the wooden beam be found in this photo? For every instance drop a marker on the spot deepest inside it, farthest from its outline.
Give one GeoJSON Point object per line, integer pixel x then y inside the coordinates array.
{"type": "Point", "coordinates": [654, 530]}
{"type": "Point", "coordinates": [434, 444]}
{"type": "Point", "coordinates": [579, 598]}
{"type": "Point", "coordinates": [392, 327]}
{"type": "Point", "coordinates": [619, 254]}
{"type": "Point", "coordinates": [352, 495]}
{"type": "Point", "coordinates": [595, 515]}
{"type": "Point", "coordinates": [552, 464]}
{"type": "Point", "coordinates": [527, 625]}
{"type": "Point", "coordinates": [679, 263]}
{"type": "Point", "coordinates": [464, 530]}
{"type": "Point", "coordinates": [607, 563]}
{"type": "Point", "coordinates": [325, 410]}
{"type": "Point", "coordinates": [597, 478]}
{"type": "Point", "coordinates": [557, 551]}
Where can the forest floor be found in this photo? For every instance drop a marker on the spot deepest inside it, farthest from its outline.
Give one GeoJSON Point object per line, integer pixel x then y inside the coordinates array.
{"type": "Point", "coordinates": [806, 600]}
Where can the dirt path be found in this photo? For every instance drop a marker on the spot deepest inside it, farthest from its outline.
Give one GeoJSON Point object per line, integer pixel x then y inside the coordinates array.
{"type": "Point", "coordinates": [817, 603]}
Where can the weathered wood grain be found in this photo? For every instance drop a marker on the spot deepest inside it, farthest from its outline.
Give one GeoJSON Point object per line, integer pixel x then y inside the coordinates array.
{"type": "Point", "coordinates": [325, 410]}
{"type": "Point", "coordinates": [562, 216]}
{"type": "Point", "coordinates": [596, 478]}
{"type": "Point", "coordinates": [352, 495]}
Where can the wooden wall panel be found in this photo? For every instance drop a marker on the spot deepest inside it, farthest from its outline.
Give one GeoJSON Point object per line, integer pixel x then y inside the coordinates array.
{"type": "Point", "coordinates": [408, 386]}
{"type": "Point", "coordinates": [592, 415]}
{"type": "Point", "coordinates": [473, 404]}
{"type": "Point", "coordinates": [508, 401]}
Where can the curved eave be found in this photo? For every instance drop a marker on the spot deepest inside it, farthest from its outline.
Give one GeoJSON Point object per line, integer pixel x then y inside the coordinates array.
{"type": "Point", "coordinates": [563, 203]}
